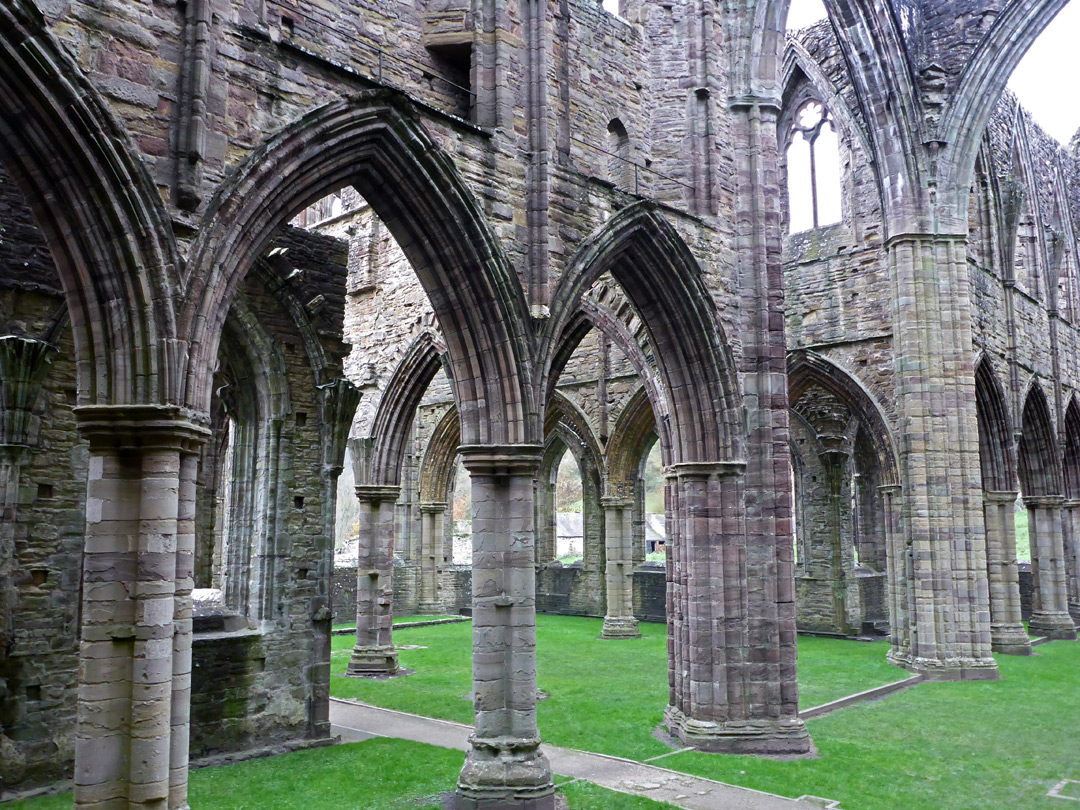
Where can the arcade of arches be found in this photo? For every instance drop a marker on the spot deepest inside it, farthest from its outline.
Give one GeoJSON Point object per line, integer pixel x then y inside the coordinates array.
{"type": "Point", "coordinates": [313, 311]}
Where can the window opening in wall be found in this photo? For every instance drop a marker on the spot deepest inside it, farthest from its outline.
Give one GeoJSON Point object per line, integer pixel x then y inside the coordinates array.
{"type": "Point", "coordinates": [462, 514]}
{"type": "Point", "coordinates": [612, 7]}
{"type": "Point", "coordinates": [813, 169]}
{"type": "Point", "coordinates": [569, 519]}
{"type": "Point", "coordinates": [620, 169]}
{"type": "Point", "coordinates": [1026, 270]}
{"type": "Point", "coordinates": [655, 526]}
{"type": "Point", "coordinates": [453, 60]}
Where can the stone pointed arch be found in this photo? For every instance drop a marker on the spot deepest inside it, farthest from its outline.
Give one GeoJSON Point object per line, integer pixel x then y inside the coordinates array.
{"type": "Point", "coordinates": [564, 414]}
{"type": "Point", "coordinates": [1038, 459]}
{"type": "Point", "coordinates": [887, 91]}
{"type": "Point", "coordinates": [107, 230]}
{"type": "Point", "coordinates": [1071, 454]}
{"type": "Point", "coordinates": [807, 368]}
{"type": "Point", "coordinates": [373, 142]}
{"type": "Point", "coordinates": [662, 280]}
{"type": "Point", "coordinates": [635, 431]}
{"type": "Point", "coordinates": [996, 452]}
{"type": "Point", "coordinates": [987, 72]}
{"type": "Point", "coordinates": [384, 449]}
{"type": "Point", "coordinates": [437, 468]}
{"type": "Point", "coordinates": [797, 59]}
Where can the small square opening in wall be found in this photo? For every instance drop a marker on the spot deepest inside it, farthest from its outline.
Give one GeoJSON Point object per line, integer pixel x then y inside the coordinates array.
{"type": "Point", "coordinates": [301, 573]}
{"type": "Point", "coordinates": [33, 692]}
{"type": "Point", "coordinates": [301, 419]}
{"type": "Point", "coordinates": [45, 492]}
{"type": "Point", "coordinates": [39, 576]}
{"type": "Point", "coordinates": [298, 501]}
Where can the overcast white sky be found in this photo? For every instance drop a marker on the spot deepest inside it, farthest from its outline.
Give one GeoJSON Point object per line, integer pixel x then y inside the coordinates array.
{"type": "Point", "coordinates": [1044, 81]}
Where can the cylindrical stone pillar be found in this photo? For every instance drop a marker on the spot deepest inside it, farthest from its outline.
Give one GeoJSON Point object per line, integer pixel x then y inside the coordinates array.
{"type": "Point", "coordinates": [182, 621]}
{"type": "Point", "coordinates": [896, 565]}
{"type": "Point", "coordinates": [128, 709]}
{"type": "Point", "coordinates": [374, 654]}
{"type": "Point", "coordinates": [431, 552]}
{"type": "Point", "coordinates": [1007, 634]}
{"type": "Point", "coordinates": [1050, 613]}
{"type": "Point", "coordinates": [1071, 523]}
{"type": "Point", "coordinates": [619, 621]}
{"type": "Point", "coordinates": [729, 607]}
{"type": "Point", "coordinates": [504, 769]}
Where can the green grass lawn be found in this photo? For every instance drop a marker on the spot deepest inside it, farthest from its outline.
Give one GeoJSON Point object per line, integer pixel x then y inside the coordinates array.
{"type": "Point", "coordinates": [603, 696]}
{"type": "Point", "coordinates": [379, 774]}
{"type": "Point", "coordinates": [938, 746]}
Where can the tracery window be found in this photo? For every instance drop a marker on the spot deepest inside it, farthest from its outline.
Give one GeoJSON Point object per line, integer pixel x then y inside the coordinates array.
{"type": "Point", "coordinates": [813, 169]}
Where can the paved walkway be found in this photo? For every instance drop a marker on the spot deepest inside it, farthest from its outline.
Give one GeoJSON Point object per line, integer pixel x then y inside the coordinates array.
{"type": "Point", "coordinates": [357, 721]}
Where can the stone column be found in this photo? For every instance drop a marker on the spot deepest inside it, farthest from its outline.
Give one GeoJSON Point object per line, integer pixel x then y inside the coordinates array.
{"type": "Point", "coordinates": [132, 717]}
{"type": "Point", "coordinates": [374, 653]}
{"type": "Point", "coordinates": [504, 769]}
{"type": "Point", "coordinates": [949, 599]}
{"type": "Point", "coordinates": [1007, 634]}
{"type": "Point", "coordinates": [1050, 614]}
{"type": "Point", "coordinates": [432, 532]}
{"type": "Point", "coordinates": [619, 621]}
{"type": "Point", "coordinates": [732, 690]}
{"type": "Point", "coordinates": [182, 620]}
{"type": "Point", "coordinates": [897, 567]}
{"type": "Point", "coordinates": [841, 546]}
{"type": "Point", "coordinates": [1071, 522]}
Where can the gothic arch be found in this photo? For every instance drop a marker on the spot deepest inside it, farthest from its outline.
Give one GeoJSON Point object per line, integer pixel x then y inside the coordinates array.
{"type": "Point", "coordinates": [107, 230]}
{"type": "Point", "coordinates": [562, 414]}
{"type": "Point", "coordinates": [996, 452]}
{"type": "Point", "coordinates": [384, 449]}
{"type": "Point", "coordinates": [1071, 454]}
{"type": "Point", "coordinates": [635, 431]}
{"type": "Point", "coordinates": [437, 469]}
{"type": "Point", "coordinates": [1012, 34]}
{"type": "Point", "coordinates": [662, 280]}
{"type": "Point", "coordinates": [807, 368]}
{"type": "Point", "coordinates": [1038, 459]}
{"type": "Point", "coordinates": [373, 143]}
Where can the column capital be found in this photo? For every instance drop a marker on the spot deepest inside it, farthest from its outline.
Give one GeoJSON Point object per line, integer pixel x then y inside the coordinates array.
{"type": "Point", "coordinates": [699, 470]}
{"type": "Point", "coordinates": [141, 427]}
{"type": "Point", "coordinates": [434, 506]}
{"type": "Point", "coordinates": [616, 502]}
{"type": "Point", "coordinates": [890, 489]}
{"type": "Point", "coordinates": [501, 459]}
{"type": "Point", "coordinates": [377, 493]}
{"type": "Point", "coordinates": [1043, 501]}
{"type": "Point", "coordinates": [748, 101]}
{"type": "Point", "coordinates": [1000, 495]}
{"type": "Point", "coordinates": [922, 237]}
{"type": "Point", "coordinates": [1071, 503]}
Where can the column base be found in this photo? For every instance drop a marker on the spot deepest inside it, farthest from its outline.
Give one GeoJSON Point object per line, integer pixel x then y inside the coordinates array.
{"type": "Point", "coordinates": [505, 773]}
{"type": "Point", "coordinates": [951, 669]}
{"type": "Point", "coordinates": [1053, 625]}
{"type": "Point", "coordinates": [1074, 612]}
{"type": "Point", "coordinates": [431, 609]}
{"type": "Point", "coordinates": [1010, 639]}
{"type": "Point", "coordinates": [620, 627]}
{"type": "Point", "coordinates": [768, 737]}
{"type": "Point", "coordinates": [371, 662]}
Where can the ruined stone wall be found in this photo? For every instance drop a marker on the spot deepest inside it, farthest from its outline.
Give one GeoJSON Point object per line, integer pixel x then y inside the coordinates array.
{"type": "Point", "coordinates": [43, 520]}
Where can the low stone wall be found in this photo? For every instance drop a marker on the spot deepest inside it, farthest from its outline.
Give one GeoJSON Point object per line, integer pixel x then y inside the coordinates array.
{"type": "Point", "coordinates": [650, 592]}
{"type": "Point", "coordinates": [225, 699]}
